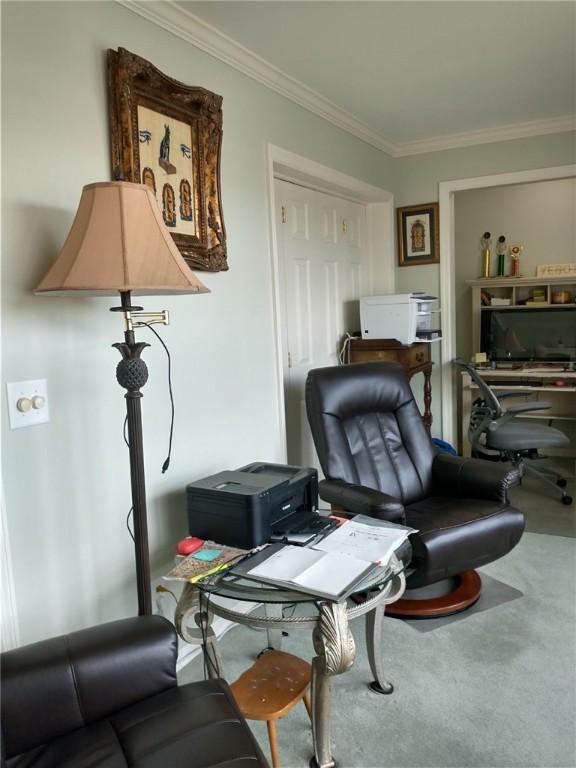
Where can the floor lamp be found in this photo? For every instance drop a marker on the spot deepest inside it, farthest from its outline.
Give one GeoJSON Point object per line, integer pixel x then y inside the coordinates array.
{"type": "Point", "coordinates": [119, 243]}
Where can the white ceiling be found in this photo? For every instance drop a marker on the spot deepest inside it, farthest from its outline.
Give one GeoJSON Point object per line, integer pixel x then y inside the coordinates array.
{"type": "Point", "coordinates": [408, 75]}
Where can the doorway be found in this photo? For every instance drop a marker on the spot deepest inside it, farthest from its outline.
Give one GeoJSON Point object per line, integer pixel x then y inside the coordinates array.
{"type": "Point", "coordinates": [447, 190]}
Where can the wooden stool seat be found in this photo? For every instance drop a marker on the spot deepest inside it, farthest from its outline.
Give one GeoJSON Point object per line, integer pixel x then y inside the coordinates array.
{"type": "Point", "coordinates": [273, 685]}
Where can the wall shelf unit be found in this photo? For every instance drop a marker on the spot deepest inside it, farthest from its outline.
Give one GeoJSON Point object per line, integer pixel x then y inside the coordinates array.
{"type": "Point", "coordinates": [516, 290]}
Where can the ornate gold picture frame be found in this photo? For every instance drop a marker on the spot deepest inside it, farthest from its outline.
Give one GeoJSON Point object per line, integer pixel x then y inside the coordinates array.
{"type": "Point", "coordinates": [168, 135]}
{"type": "Point", "coordinates": [418, 235]}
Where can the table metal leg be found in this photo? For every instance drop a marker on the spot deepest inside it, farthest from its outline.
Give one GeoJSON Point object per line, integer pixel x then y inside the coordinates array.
{"type": "Point", "coordinates": [374, 649]}
{"type": "Point", "coordinates": [374, 618]}
{"type": "Point", "coordinates": [188, 610]}
{"type": "Point", "coordinates": [334, 644]}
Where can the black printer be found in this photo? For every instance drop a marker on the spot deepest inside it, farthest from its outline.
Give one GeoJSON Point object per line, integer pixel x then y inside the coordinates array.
{"type": "Point", "coordinates": [239, 507]}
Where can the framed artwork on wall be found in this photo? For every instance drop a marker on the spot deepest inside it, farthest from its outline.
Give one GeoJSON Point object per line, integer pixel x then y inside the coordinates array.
{"type": "Point", "coordinates": [418, 235]}
{"type": "Point", "coordinates": [168, 136]}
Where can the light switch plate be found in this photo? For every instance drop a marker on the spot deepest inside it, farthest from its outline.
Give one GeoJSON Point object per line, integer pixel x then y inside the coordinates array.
{"type": "Point", "coordinates": [33, 396]}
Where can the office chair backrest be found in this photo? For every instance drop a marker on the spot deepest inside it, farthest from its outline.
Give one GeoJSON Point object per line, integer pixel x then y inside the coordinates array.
{"type": "Point", "coordinates": [484, 412]}
{"type": "Point", "coordinates": [490, 399]}
{"type": "Point", "coordinates": [368, 430]}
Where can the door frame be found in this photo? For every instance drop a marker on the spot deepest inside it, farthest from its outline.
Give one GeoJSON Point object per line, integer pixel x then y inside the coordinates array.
{"type": "Point", "coordinates": [447, 190]}
{"type": "Point", "coordinates": [379, 203]}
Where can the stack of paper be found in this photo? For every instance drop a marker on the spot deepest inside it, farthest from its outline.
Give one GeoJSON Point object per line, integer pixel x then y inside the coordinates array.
{"type": "Point", "coordinates": [366, 538]}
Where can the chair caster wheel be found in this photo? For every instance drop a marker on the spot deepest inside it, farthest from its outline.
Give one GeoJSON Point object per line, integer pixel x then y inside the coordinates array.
{"type": "Point", "coordinates": [377, 688]}
{"type": "Point", "coordinates": [561, 482]}
{"type": "Point", "coordinates": [566, 500]}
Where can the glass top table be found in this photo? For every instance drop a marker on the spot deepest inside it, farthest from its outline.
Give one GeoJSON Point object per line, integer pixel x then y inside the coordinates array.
{"type": "Point", "coordinates": [328, 621]}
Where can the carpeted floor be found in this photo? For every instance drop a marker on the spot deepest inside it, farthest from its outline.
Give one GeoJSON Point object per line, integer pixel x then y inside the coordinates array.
{"type": "Point", "coordinates": [492, 688]}
{"type": "Point", "coordinates": [541, 504]}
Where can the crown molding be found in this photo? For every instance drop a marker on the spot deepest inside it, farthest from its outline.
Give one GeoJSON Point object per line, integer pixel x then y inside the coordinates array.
{"type": "Point", "coordinates": [179, 22]}
{"type": "Point", "coordinates": [487, 136]}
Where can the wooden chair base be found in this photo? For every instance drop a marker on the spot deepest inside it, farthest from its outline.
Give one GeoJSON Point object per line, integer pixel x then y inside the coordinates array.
{"type": "Point", "coordinates": [463, 596]}
{"type": "Point", "coordinates": [273, 685]}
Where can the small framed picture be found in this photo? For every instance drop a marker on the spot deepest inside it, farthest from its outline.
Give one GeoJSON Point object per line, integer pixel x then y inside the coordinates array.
{"type": "Point", "coordinates": [418, 235]}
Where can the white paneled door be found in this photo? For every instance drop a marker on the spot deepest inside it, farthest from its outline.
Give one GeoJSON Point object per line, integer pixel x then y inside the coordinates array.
{"type": "Point", "coordinates": [323, 258]}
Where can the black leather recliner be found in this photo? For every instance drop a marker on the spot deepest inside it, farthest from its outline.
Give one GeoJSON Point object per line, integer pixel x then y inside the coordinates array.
{"type": "Point", "coordinates": [108, 697]}
{"type": "Point", "coordinates": [379, 460]}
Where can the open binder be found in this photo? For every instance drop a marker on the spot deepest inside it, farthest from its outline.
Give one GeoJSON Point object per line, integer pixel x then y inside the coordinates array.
{"type": "Point", "coordinates": [326, 575]}
{"type": "Point", "coordinates": [334, 567]}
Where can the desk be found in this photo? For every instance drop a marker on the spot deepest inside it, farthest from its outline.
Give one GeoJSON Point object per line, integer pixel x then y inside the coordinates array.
{"type": "Point", "coordinates": [542, 385]}
{"type": "Point", "coordinates": [332, 639]}
{"type": "Point", "coordinates": [414, 358]}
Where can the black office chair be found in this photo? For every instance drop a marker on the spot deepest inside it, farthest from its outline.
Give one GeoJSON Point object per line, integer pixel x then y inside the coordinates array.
{"type": "Point", "coordinates": [379, 460]}
{"type": "Point", "coordinates": [495, 432]}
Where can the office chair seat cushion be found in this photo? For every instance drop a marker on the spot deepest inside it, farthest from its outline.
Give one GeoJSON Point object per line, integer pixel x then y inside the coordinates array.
{"type": "Point", "coordinates": [456, 535]}
{"type": "Point", "coordinates": [519, 436]}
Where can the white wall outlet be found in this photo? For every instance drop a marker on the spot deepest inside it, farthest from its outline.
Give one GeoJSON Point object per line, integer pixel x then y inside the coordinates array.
{"type": "Point", "coordinates": [27, 403]}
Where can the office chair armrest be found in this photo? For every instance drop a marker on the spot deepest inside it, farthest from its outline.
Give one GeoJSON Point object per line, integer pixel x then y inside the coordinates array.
{"type": "Point", "coordinates": [513, 410]}
{"type": "Point", "coordinates": [525, 407]}
{"type": "Point", "coordinates": [462, 477]}
{"type": "Point", "coordinates": [361, 500]}
{"type": "Point", "coordinates": [516, 393]}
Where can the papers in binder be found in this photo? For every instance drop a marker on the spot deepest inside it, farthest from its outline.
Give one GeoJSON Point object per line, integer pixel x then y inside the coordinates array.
{"type": "Point", "coordinates": [366, 539]}
{"type": "Point", "coordinates": [329, 575]}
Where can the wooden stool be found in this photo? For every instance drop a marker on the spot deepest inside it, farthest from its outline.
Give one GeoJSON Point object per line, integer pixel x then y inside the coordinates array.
{"type": "Point", "coordinates": [272, 686]}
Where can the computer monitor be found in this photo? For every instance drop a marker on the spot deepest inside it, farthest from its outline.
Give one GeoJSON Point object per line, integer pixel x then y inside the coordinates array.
{"type": "Point", "coordinates": [529, 334]}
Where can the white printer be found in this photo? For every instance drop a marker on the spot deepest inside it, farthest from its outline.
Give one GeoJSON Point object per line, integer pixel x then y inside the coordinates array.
{"type": "Point", "coordinates": [407, 317]}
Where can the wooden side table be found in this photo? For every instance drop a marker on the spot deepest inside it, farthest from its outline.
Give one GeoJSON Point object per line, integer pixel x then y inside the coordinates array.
{"type": "Point", "coordinates": [414, 358]}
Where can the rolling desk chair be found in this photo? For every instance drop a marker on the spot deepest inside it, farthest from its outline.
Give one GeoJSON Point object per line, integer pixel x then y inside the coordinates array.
{"type": "Point", "coordinates": [495, 432]}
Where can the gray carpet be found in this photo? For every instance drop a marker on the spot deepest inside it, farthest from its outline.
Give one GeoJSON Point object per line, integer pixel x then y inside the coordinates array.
{"type": "Point", "coordinates": [541, 504]}
{"type": "Point", "coordinates": [495, 689]}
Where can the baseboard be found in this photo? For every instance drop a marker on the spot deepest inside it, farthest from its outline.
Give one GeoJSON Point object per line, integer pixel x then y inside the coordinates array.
{"type": "Point", "coordinates": [187, 651]}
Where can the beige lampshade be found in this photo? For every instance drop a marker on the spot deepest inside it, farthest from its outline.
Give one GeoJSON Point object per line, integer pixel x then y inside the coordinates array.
{"type": "Point", "coordinates": [119, 242]}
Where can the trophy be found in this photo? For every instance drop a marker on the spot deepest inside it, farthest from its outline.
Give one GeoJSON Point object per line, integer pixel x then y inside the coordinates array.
{"type": "Point", "coordinates": [486, 254]}
{"type": "Point", "coordinates": [515, 251]}
{"type": "Point", "coordinates": [501, 251]}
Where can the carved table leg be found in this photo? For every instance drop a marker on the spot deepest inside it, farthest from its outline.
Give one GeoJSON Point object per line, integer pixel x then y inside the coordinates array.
{"type": "Point", "coordinates": [373, 646]}
{"type": "Point", "coordinates": [190, 609]}
{"type": "Point", "coordinates": [374, 618]}
{"type": "Point", "coordinates": [334, 644]}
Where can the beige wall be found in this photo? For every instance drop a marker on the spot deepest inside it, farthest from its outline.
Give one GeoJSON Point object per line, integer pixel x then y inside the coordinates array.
{"type": "Point", "coordinates": [66, 482]}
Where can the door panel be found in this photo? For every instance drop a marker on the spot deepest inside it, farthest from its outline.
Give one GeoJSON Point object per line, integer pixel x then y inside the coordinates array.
{"type": "Point", "coordinates": [323, 261]}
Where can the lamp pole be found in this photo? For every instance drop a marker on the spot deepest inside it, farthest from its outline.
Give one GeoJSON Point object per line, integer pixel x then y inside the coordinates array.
{"type": "Point", "coordinates": [132, 374]}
